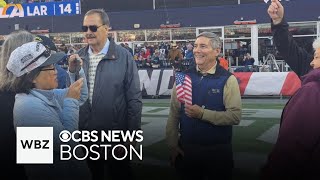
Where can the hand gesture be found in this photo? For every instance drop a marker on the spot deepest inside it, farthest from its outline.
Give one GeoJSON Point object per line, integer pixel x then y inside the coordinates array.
{"type": "Point", "coordinates": [74, 89]}
{"type": "Point", "coordinates": [276, 11]}
{"type": "Point", "coordinates": [193, 111]}
{"type": "Point", "coordinates": [74, 62]}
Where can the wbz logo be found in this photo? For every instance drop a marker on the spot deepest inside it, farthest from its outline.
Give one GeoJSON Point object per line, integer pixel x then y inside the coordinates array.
{"type": "Point", "coordinates": [34, 145]}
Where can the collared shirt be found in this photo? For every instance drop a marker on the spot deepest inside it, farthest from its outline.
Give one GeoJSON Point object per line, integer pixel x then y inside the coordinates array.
{"type": "Point", "coordinates": [93, 63]}
{"type": "Point", "coordinates": [231, 101]}
{"type": "Point", "coordinates": [212, 70]}
{"type": "Point", "coordinates": [104, 49]}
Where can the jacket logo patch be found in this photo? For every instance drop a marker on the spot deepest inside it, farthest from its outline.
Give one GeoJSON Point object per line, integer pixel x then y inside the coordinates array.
{"type": "Point", "coordinates": [215, 91]}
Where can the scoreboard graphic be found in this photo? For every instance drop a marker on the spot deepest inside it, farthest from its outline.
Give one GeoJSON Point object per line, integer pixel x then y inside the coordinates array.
{"type": "Point", "coordinates": [62, 8]}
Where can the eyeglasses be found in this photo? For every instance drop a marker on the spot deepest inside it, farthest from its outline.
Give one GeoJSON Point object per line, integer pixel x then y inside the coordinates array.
{"type": "Point", "coordinates": [49, 69]}
{"type": "Point", "coordinates": [92, 28]}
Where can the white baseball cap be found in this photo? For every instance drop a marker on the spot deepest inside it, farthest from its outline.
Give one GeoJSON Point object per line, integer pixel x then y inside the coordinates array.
{"type": "Point", "coordinates": [31, 55]}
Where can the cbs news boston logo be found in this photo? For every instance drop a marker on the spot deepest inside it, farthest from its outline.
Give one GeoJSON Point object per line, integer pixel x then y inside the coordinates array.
{"type": "Point", "coordinates": [34, 145]}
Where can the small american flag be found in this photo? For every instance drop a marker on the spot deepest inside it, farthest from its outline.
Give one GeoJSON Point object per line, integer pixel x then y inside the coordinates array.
{"type": "Point", "coordinates": [184, 88]}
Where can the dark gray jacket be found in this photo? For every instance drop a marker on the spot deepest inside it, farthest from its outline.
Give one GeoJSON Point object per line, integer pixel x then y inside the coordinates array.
{"type": "Point", "coordinates": [296, 57]}
{"type": "Point", "coordinates": [116, 99]}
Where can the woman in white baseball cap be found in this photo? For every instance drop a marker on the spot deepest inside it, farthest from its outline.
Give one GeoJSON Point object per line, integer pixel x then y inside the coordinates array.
{"type": "Point", "coordinates": [39, 104]}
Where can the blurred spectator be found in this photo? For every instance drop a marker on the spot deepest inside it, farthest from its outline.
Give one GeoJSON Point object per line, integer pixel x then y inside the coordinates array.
{"type": "Point", "coordinates": [248, 60]}
{"type": "Point", "coordinates": [223, 62]}
{"type": "Point", "coordinates": [126, 45]}
{"type": "Point", "coordinates": [155, 61]}
{"type": "Point", "coordinates": [175, 57]}
{"type": "Point", "coordinates": [189, 56]}
{"type": "Point", "coordinates": [63, 48]}
{"type": "Point", "coordinates": [144, 58]}
{"type": "Point", "coordinates": [189, 52]}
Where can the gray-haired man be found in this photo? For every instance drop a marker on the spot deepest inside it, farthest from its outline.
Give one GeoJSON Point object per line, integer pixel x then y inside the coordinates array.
{"type": "Point", "coordinates": [200, 134]}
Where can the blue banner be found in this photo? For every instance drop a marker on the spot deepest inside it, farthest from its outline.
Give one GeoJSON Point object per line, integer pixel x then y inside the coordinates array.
{"type": "Point", "coordinates": [41, 9]}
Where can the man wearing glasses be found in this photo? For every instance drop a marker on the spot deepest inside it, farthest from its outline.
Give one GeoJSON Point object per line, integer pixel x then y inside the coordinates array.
{"type": "Point", "coordinates": [114, 91]}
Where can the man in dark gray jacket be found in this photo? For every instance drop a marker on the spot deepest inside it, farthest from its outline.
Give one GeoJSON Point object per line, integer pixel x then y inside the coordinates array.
{"type": "Point", "coordinates": [114, 101]}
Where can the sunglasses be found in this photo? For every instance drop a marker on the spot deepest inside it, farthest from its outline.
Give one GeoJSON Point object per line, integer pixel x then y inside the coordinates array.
{"type": "Point", "coordinates": [92, 28]}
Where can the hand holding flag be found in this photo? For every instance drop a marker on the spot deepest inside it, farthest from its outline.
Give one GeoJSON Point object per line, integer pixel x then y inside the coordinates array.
{"type": "Point", "coordinates": [194, 111]}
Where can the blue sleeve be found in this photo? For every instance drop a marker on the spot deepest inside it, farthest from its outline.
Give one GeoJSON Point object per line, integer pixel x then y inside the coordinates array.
{"type": "Point", "coordinates": [62, 77]}
{"type": "Point", "coordinates": [70, 114]}
{"type": "Point", "coordinates": [60, 94]}
{"type": "Point", "coordinates": [45, 116]}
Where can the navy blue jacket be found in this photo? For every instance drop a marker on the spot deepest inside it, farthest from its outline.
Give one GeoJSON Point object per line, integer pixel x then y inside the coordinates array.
{"type": "Point", "coordinates": [207, 92]}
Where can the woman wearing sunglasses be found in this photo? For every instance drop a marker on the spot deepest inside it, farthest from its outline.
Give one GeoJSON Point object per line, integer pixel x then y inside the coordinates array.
{"type": "Point", "coordinates": [39, 104]}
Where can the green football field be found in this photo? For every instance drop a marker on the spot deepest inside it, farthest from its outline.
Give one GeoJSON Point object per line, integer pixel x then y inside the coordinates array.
{"type": "Point", "coordinates": [251, 140]}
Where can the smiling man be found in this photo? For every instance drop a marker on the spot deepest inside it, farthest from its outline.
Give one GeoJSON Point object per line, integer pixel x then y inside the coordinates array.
{"type": "Point", "coordinates": [199, 135]}
{"type": "Point", "coordinates": [114, 91]}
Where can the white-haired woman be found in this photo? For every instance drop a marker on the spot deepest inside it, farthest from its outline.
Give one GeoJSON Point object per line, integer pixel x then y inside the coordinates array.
{"type": "Point", "coordinates": [296, 154]}
{"type": "Point", "coordinates": [7, 96]}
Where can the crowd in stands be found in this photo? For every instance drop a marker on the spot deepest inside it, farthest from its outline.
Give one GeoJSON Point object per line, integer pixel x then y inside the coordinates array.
{"type": "Point", "coordinates": [177, 55]}
{"type": "Point", "coordinates": [180, 56]}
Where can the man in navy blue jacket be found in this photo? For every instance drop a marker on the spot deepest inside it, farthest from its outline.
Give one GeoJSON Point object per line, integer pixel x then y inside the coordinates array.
{"type": "Point", "coordinates": [199, 129]}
